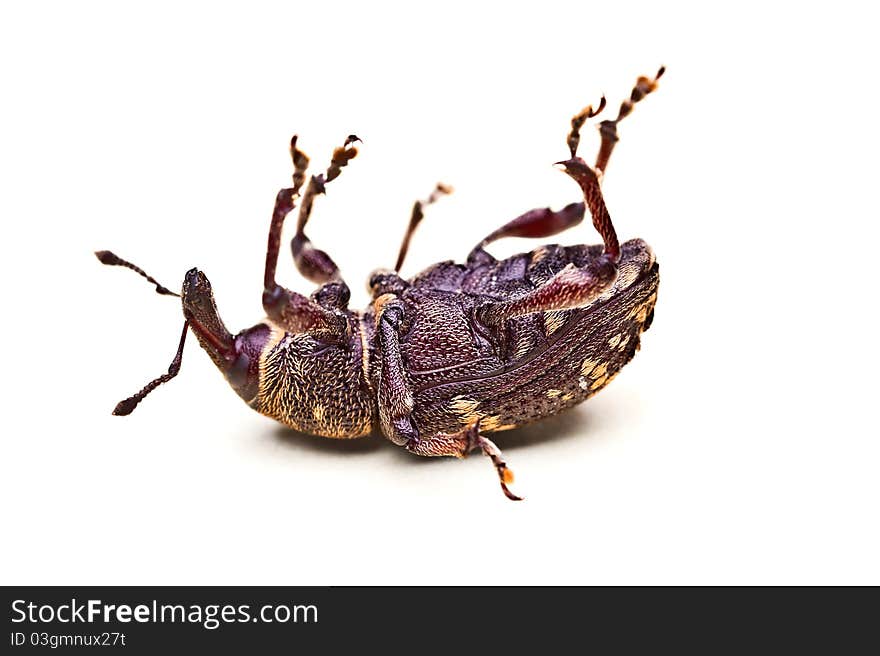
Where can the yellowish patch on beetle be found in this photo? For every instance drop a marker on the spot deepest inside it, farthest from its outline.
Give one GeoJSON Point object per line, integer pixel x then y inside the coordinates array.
{"type": "Point", "coordinates": [553, 393]}
{"type": "Point", "coordinates": [490, 423]}
{"type": "Point", "coordinates": [466, 409]}
{"type": "Point", "coordinates": [599, 371]}
{"type": "Point", "coordinates": [599, 383]}
{"type": "Point", "coordinates": [623, 343]}
{"type": "Point", "coordinates": [318, 413]}
{"type": "Point", "coordinates": [504, 427]}
{"type": "Point", "coordinates": [614, 341]}
{"type": "Point", "coordinates": [587, 367]}
{"type": "Point", "coordinates": [468, 412]}
{"type": "Point", "coordinates": [640, 312]}
{"type": "Point", "coordinates": [379, 304]}
{"type": "Point", "coordinates": [568, 396]}
{"type": "Point", "coordinates": [523, 345]}
{"type": "Point", "coordinates": [553, 321]}
{"type": "Point", "coordinates": [461, 405]}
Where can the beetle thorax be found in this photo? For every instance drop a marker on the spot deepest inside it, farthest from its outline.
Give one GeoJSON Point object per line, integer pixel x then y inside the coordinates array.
{"type": "Point", "coordinates": [316, 385]}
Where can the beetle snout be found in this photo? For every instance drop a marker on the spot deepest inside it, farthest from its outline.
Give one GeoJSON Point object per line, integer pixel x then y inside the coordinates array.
{"type": "Point", "coordinates": [200, 310]}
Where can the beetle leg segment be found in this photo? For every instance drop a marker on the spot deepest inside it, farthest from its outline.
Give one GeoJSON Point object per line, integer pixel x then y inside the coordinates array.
{"type": "Point", "coordinates": [416, 218]}
{"type": "Point", "coordinates": [541, 222]}
{"type": "Point", "coordinates": [395, 398]}
{"type": "Point", "coordinates": [571, 288]}
{"type": "Point", "coordinates": [577, 170]}
{"type": "Point", "coordinates": [577, 122]}
{"type": "Point", "coordinates": [313, 263]}
{"type": "Point", "coordinates": [296, 313]}
{"type": "Point", "coordinates": [505, 475]}
{"type": "Point", "coordinates": [459, 445]}
{"type": "Point", "coordinates": [293, 311]}
{"type": "Point", "coordinates": [284, 202]}
{"type": "Point", "coordinates": [608, 129]}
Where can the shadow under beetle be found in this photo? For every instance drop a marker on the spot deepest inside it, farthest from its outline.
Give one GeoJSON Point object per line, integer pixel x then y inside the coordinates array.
{"type": "Point", "coordinates": [459, 350]}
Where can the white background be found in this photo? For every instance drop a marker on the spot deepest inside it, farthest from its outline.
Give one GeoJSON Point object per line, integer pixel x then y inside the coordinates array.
{"type": "Point", "coordinates": [740, 446]}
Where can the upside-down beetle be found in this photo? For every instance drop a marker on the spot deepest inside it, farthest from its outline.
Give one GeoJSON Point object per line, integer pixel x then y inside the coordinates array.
{"type": "Point", "coordinates": [458, 351]}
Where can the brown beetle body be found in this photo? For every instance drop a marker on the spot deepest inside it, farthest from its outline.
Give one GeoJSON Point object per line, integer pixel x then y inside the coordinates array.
{"type": "Point", "coordinates": [459, 350]}
{"type": "Point", "coordinates": [539, 364]}
{"type": "Point", "coordinates": [553, 361]}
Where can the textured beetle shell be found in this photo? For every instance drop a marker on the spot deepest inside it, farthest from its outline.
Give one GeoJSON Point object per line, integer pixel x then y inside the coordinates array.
{"type": "Point", "coordinates": [316, 387]}
{"type": "Point", "coordinates": [536, 365]}
{"type": "Point", "coordinates": [457, 368]}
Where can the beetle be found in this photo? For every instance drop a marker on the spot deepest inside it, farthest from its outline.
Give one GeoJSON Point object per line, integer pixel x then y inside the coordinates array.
{"type": "Point", "coordinates": [458, 351]}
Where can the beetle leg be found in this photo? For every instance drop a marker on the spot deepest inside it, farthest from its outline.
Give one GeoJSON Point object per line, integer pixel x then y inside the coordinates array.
{"type": "Point", "coordinates": [459, 445]}
{"type": "Point", "coordinates": [313, 263]}
{"type": "Point", "coordinates": [284, 202]}
{"type": "Point", "coordinates": [545, 222]}
{"type": "Point", "coordinates": [608, 129]}
{"type": "Point", "coordinates": [571, 288]}
{"type": "Point", "coordinates": [416, 218]}
{"type": "Point", "coordinates": [287, 308]}
{"type": "Point", "coordinates": [384, 281]}
{"type": "Point", "coordinates": [542, 222]}
{"type": "Point", "coordinates": [394, 396]}
{"type": "Point", "coordinates": [296, 313]}
{"type": "Point", "coordinates": [588, 181]}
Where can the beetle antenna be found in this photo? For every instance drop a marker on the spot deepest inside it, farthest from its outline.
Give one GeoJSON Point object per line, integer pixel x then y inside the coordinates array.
{"type": "Point", "coordinates": [111, 259]}
{"type": "Point", "coordinates": [127, 406]}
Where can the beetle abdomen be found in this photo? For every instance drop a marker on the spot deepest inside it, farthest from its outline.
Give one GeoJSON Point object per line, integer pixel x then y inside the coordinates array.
{"type": "Point", "coordinates": [553, 360]}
